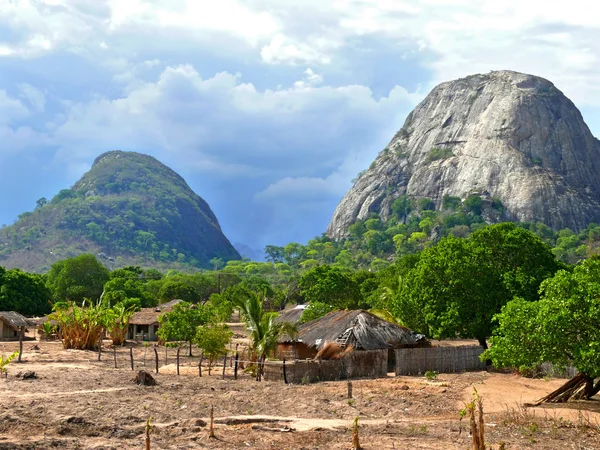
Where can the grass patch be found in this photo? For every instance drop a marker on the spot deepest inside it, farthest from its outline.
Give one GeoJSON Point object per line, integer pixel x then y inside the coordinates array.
{"type": "Point", "coordinates": [437, 153]}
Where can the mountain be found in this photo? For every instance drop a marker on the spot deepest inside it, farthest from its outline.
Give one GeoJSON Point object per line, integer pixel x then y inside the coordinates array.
{"type": "Point", "coordinates": [128, 209]}
{"type": "Point", "coordinates": [507, 137]}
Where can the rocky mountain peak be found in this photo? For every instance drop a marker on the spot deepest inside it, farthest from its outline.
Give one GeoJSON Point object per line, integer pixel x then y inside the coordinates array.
{"type": "Point", "coordinates": [504, 135]}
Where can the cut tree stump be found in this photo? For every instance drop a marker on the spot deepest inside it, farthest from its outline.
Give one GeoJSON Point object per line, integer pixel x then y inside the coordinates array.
{"type": "Point", "coordinates": [143, 378]}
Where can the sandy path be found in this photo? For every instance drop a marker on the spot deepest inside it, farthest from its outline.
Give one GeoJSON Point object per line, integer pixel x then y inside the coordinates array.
{"type": "Point", "coordinates": [12, 395]}
{"type": "Point", "coordinates": [502, 393]}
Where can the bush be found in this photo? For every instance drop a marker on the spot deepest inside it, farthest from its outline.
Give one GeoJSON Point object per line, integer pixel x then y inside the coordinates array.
{"type": "Point", "coordinates": [438, 153]}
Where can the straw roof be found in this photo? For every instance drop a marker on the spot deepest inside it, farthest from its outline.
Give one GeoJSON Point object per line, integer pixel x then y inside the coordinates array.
{"type": "Point", "coordinates": [291, 315]}
{"type": "Point", "coordinates": [149, 316]}
{"type": "Point", "coordinates": [14, 319]}
{"type": "Point", "coordinates": [358, 328]}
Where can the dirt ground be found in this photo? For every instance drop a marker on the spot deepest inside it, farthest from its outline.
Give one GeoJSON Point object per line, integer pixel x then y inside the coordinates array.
{"type": "Point", "coordinates": [78, 402]}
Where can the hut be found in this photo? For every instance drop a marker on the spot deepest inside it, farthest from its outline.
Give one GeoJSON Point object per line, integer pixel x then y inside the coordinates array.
{"type": "Point", "coordinates": [291, 315]}
{"type": "Point", "coordinates": [11, 323]}
{"type": "Point", "coordinates": [144, 323]}
{"type": "Point", "coordinates": [359, 329]}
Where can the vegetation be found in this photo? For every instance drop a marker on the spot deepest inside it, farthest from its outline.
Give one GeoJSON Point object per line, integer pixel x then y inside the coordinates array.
{"type": "Point", "coordinates": [23, 292]}
{"type": "Point", "coordinates": [439, 153]}
{"type": "Point", "coordinates": [80, 327]}
{"type": "Point", "coordinates": [129, 206]}
{"type": "Point", "coordinates": [4, 362]}
{"type": "Point", "coordinates": [213, 341]}
{"type": "Point", "coordinates": [77, 278]}
{"type": "Point", "coordinates": [182, 322]}
{"type": "Point", "coordinates": [561, 328]}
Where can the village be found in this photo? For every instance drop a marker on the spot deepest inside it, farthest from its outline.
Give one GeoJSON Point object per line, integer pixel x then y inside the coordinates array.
{"type": "Point", "coordinates": [348, 378]}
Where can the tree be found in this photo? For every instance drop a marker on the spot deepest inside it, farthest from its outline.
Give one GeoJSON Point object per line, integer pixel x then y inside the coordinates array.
{"type": "Point", "coordinates": [41, 202]}
{"type": "Point", "coordinates": [213, 341]}
{"type": "Point", "coordinates": [264, 331]}
{"type": "Point", "coordinates": [118, 322]}
{"type": "Point", "coordinates": [330, 285]}
{"type": "Point", "coordinates": [563, 328]}
{"type": "Point", "coordinates": [458, 285]}
{"type": "Point", "coordinates": [172, 289]}
{"type": "Point", "coordinates": [314, 311]}
{"type": "Point", "coordinates": [81, 326]}
{"type": "Point", "coordinates": [77, 278]}
{"type": "Point", "coordinates": [274, 253]}
{"type": "Point", "coordinates": [181, 322]}
{"type": "Point", "coordinates": [217, 263]}
{"type": "Point", "coordinates": [24, 292]}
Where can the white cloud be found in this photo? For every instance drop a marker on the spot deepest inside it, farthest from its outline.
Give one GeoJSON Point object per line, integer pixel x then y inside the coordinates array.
{"type": "Point", "coordinates": [33, 96]}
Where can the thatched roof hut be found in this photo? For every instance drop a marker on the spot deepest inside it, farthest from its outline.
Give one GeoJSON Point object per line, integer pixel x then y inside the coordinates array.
{"type": "Point", "coordinates": [291, 315]}
{"type": "Point", "coordinates": [14, 319]}
{"type": "Point", "coordinates": [144, 323]}
{"type": "Point", "coordinates": [360, 329]}
{"type": "Point", "coordinates": [10, 324]}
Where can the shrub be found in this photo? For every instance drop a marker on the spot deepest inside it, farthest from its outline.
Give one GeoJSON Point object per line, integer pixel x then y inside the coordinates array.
{"type": "Point", "coordinates": [438, 153]}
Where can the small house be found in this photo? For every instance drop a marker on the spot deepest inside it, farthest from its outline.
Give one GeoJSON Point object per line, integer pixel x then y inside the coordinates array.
{"type": "Point", "coordinates": [291, 315]}
{"type": "Point", "coordinates": [359, 329]}
{"type": "Point", "coordinates": [11, 323]}
{"type": "Point", "coordinates": [144, 324]}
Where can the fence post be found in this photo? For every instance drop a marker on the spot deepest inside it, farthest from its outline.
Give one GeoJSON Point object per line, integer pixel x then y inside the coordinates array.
{"type": "Point", "coordinates": [224, 365]}
{"type": "Point", "coordinates": [131, 356]}
{"type": "Point", "coordinates": [200, 364]}
{"type": "Point", "coordinates": [235, 367]}
{"type": "Point", "coordinates": [349, 389]}
{"type": "Point", "coordinates": [178, 349]}
{"type": "Point", "coordinates": [115, 355]}
{"type": "Point", "coordinates": [156, 358]}
{"type": "Point", "coordinates": [21, 333]}
{"type": "Point", "coordinates": [284, 374]}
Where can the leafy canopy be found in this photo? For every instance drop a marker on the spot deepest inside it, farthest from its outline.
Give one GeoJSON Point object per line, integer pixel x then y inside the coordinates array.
{"type": "Point", "coordinates": [563, 327]}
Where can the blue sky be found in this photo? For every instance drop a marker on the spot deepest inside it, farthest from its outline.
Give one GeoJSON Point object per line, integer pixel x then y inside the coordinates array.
{"type": "Point", "coordinates": [268, 108]}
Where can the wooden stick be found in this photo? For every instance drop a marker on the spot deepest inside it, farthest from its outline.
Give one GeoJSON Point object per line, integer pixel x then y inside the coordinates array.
{"type": "Point", "coordinates": [349, 389]}
{"type": "Point", "coordinates": [224, 365]}
{"type": "Point", "coordinates": [156, 358]}
{"type": "Point", "coordinates": [178, 360]}
{"type": "Point", "coordinates": [211, 433]}
{"type": "Point", "coordinates": [235, 368]}
{"type": "Point", "coordinates": [21, 333]}
{"type": "Point", "coordinates": [284, 373]}
{"type": "Point", "coordinates": [115, 355]}
{"type": "Point", "coordinates": [131, 356]}
{"type": "Point", "coordinates": [99, 347]}
{"type": "Point", "coordinates": [200, 363]}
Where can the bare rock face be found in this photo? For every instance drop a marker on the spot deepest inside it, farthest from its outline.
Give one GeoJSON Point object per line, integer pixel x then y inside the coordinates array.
{"type": "Point", "coordinates": [503, 135]}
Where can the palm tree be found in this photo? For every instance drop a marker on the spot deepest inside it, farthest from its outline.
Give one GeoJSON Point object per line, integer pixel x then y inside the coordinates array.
{"type": "Point", "coordinates": [264, 331]}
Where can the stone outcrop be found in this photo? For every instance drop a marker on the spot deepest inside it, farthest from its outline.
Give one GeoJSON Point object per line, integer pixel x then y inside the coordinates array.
{"type": "Point", "coordinates": [503, 135]}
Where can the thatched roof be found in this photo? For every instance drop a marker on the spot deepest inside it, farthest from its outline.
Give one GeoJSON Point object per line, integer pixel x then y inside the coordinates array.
{"type": "Point", "coordinates": [14, 319]}
{"type": "Point", "coordinates": [291, 315]}
{"type": "Point", "coordinates": [360, 329]}
{"type": "Point", "coordinates": [149, 316]}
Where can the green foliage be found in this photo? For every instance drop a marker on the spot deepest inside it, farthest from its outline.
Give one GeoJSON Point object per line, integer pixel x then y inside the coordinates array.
{"type": "Point", "coordinates": [77, 278]}
{"type": "Point", "coordinates": [459, 284]}
{"type": "Point", "coordinates": [426, 204]}
{"type": "Point", "coordinates": [128, 205]}
{"type": "Point", "coordinates": [264, 331]}
{"type": "Point", "coordinates": [328, 284]}
{"type": "Point", "coordinates": [80, 326]}
{"type": "Point", "coordinates": [561, 328]}
{"type": "Point", "coordinates": [181, 322]}
{"type": "Point", "coordinates": [431, 375]}
{"type": "Point", "coordinates": [451, 203]}
{"type": "Point", "coordinates": [23, 292]}
{"type": "Point", "coordinates": [437, 153]}
{"type": "Point", "coordinates": [213, 341]}
{"type": "Point", "coordinates": [314, 311]}
{"type": "Point", "coordinates": [4, 362]}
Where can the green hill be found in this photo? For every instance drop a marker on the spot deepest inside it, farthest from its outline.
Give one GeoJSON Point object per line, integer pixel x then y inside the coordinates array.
{"type": "Point", "coordinates": [128, 209]}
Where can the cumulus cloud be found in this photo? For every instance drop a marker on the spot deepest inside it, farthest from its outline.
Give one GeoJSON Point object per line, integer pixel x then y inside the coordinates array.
{"type": "Point", "coordinates": [268, 108]}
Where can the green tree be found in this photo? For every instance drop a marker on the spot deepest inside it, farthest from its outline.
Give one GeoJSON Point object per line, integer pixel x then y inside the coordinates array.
{"type": "Point", "coordinates": [77, 278]}
{"type": "Point", "coordinates": [172, 289]}
{"type": "Point", "coordinates": [274, 253]}
{"type": "Point", "coordinates": [213, 341]}
{"type": "Point", "coordinates": [314, 311]}
{"type": "Point", "coordinates": [458, 285]}
{"type": "Point", "coordinates": [181, 322]}
{"type": "Point", "coordinates": [562, 328]}
{"type": "Point", "coordinates": [330, 285]}
{"type": "Point", "coordinates": [40, 203]}
{"type": "Point", "coordinates": [264, 330]}
{"type": "Point", "coordinates": [24, 292]}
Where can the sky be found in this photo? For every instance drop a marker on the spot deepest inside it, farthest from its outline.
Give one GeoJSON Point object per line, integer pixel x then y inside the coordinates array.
{"type": "Point", "coordinates": [268, 108]}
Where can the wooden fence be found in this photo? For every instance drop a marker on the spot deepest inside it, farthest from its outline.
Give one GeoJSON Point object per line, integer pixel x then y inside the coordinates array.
{"type": "Point", "coordinates": [415, 361]}
{"type": "Point", "coordinates": [357, 364]}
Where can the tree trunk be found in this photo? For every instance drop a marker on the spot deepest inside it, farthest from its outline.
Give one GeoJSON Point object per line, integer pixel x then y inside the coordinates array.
{"type": "Point", "coordinates": [580, 387]}
{"type": "Point", "coordinates": [483, 343]}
